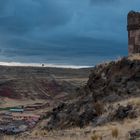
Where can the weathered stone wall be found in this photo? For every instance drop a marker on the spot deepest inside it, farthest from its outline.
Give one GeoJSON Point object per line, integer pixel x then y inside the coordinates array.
{"type": "Point", "coordinates": [134, 41]}
{"type": "Point", "coordinates": [133, 32]}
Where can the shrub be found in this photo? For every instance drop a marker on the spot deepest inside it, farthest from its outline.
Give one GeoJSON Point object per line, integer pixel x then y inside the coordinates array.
{"type": "Point", "coordinates": [96, 137]}
{"type": "Point", "coordinates": [115, 132]}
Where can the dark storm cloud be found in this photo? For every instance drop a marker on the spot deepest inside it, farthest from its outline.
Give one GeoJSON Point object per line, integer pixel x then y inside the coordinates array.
{"type": "Point", "coordinates": [90, 46]}
{"type": "Point", "coordinates": [64, 24]}
{"type": "Point", "coordinates": [21, 16]}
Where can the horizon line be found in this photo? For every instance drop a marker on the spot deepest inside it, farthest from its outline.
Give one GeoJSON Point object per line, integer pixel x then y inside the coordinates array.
{"type": "Point", "coordinates": [20, 64]}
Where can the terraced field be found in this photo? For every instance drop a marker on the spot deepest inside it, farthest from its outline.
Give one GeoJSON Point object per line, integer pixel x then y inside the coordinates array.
{"type": "Point", "coordinates": [40, 82]}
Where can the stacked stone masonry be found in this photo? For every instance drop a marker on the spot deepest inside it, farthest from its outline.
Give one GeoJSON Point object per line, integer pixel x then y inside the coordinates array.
{"type": "Point", "coordinates": [133, 27]}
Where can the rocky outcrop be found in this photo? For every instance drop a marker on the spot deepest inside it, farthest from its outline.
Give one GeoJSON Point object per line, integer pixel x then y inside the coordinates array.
{"type": "Point", "coordinates": [107, 83]}
{"type": "Point", "coordinates": [72, 115]}
{"type": "Point", "coordinates": [123, 112]}
{"type": "Point", "coordinates": [114, 80]}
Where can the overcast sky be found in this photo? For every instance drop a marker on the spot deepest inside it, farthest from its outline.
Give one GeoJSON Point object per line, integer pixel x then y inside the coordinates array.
{"type": "Point", "coordinates": [56, 23]}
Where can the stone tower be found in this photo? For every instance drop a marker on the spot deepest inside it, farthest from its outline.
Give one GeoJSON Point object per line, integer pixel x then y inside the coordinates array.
{"type": "Point", "coordinates": [133, 27]}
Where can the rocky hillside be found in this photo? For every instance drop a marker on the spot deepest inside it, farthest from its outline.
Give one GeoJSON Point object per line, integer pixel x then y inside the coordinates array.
{"type": "Point", "coordinates": [107, 84]}
{"type": "Point", "coordinates": [115, 80]}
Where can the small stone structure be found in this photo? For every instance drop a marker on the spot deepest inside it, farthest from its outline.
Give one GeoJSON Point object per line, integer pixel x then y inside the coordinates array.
{"type": "Point", "coordinates": [133, 27]}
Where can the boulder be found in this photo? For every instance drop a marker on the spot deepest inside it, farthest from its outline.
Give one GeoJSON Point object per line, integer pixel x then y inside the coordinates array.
{"type": "Point", "coordinates": [124, 112]}
{"type": "Point", "coordinates": [134, 134]}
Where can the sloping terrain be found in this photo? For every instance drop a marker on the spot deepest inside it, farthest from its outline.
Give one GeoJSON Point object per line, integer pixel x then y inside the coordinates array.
{"type": "Point", "coordinates": [39, 82]}
{"type": "Point", "coordinates": [106, 106]}
{"type": "Point", "coordinates": [98, 101]}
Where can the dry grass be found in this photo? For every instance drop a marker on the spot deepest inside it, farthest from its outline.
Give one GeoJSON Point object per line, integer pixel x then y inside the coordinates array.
{"type": "Point", "coordinates": [40, 133]}
{"type": "Point", "coordinates": [96, 137]}
{"type": "Point", "coordinates": [135, 102]}
{"type": "Point", "coordinates": [114, 132]}
{"type": "Point", "coordinates": [134, 57]}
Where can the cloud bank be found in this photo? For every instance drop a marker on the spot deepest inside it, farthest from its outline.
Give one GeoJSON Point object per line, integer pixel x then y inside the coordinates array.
{"type": "Point", "coordinates": [63, 24]}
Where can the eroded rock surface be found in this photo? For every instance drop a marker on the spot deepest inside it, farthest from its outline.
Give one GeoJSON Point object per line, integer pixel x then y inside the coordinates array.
{"type": "Point", "coordinates": [108, 83]}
